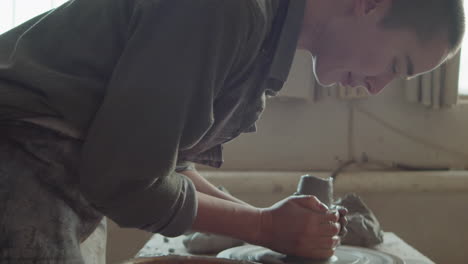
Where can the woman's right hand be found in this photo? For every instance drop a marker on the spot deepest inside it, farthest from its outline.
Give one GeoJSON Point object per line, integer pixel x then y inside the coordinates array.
{"type": "Point", "coordinates": [300, 226]}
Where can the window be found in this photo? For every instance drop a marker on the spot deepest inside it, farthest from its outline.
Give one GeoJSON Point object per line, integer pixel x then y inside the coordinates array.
{"type": "Point", "coordinates": [463, 80]}
{"type": "Point", "coordinates": [15, 12]}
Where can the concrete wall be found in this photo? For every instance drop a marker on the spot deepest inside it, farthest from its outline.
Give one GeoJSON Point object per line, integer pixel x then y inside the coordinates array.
{"type": "Point", "coordinates": [299, 135]}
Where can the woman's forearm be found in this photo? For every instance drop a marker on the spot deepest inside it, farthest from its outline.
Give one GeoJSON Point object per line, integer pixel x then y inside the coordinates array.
{"type": "Point", "coordinates": [219, 216]}
{"type": "Point", "coordinates": [204, 186]}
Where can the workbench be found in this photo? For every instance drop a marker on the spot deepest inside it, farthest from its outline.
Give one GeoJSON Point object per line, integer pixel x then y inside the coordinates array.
{"type": "Point", "coordinates": [161, 246]}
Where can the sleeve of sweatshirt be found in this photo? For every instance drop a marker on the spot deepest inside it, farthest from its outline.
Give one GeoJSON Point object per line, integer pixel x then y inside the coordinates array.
{"type": "Point", "coordinates": [159, 100]}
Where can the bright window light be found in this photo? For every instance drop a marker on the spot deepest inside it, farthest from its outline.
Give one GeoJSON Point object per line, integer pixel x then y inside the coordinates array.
{"type": "Point", "coordinates": [15, 12]}
{"type": "Point", "coordinates": [463, 80]}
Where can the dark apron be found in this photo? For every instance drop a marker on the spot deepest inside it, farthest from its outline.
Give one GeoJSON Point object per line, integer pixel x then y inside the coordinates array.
{"type": "Point", "coordinates": [43, 216]}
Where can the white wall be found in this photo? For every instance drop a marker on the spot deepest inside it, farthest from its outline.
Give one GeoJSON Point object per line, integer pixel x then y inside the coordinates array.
{"type": "Point", "coordinates": [299, 135]}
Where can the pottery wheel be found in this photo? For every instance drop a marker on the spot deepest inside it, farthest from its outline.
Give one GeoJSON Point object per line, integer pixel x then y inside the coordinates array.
{"type": "Point", "coordinates": [343, 255]}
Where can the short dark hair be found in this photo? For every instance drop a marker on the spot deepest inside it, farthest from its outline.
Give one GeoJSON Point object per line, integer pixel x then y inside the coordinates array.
{"type": "Point", "coordinates": [429, 18]}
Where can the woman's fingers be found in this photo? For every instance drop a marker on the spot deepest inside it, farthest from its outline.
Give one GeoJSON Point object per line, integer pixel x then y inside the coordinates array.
{"type": "Point", "coordinates": [329, 229]}
{"type": "Point", "coordinates": [310, 202]}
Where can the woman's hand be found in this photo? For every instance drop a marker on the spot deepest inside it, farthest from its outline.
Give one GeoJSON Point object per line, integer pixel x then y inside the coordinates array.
{"type": "Point", "coordinates": [300, 226]}
{"type": "Point", "coordinates": [343, 221]}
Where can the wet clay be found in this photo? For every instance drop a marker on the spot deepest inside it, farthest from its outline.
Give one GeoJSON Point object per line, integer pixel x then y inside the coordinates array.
{"type": "Point", "coordinates": [265, 256]}
{"type": "Point", "coordinates": [364, 229]}
{"type": "Point", "coordinates": [205, 243]}
{"type": "Point", "coordinates": [322, 188]}
{"type": "Point", "coordinates": [343, 255]}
